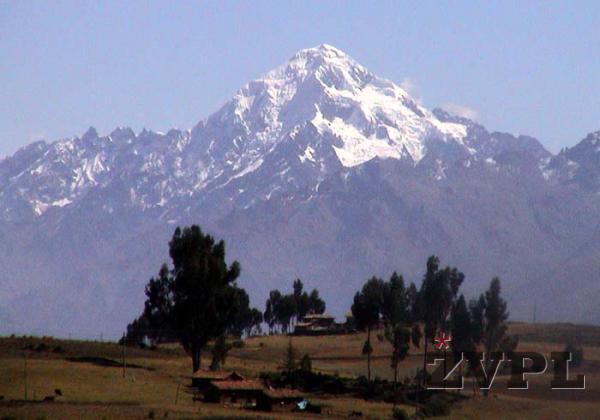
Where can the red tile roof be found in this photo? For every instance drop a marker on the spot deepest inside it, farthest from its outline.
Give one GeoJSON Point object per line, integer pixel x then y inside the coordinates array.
{"type": "Point", "coordinates": [243, 385]}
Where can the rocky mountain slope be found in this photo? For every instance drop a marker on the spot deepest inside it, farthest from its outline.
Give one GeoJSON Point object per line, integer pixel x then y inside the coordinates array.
{"type": "Point", "coordinates": [319, 169]}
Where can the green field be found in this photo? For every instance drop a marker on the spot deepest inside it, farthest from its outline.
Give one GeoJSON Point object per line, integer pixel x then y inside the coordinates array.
{"type": "Point", "coordinates": [156, 382]}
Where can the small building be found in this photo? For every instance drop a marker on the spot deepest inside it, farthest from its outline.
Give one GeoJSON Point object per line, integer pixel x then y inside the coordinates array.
{"type": "Point", "coordinates": [302, 327]}
{"type": "Point", "coordinates": [201, 378]}
{"type": "Point", "coordinates": [320, 320]}
{"type": "Point", "coordinates": [245, 390]}
{"type": "Point", "coordinates": [316, 324]}
{"type": "Point", "coordinates": [281, 398]}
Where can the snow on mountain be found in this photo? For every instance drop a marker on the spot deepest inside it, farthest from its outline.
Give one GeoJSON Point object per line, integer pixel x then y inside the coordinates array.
{"type": "Point", "coordinates": [357, 116]}
{"type": "Point", "coordinates": [579, 164]}
{"type": "Point", "coordinates": [367, 116]}
{"type": "Point", "coordinates": [317, 164]}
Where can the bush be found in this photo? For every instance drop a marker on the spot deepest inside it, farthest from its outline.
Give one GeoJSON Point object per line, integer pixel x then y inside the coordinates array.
{"type": "Point", "coordinates": [400, 414]}
{"type": "Point", "coordinates": [306, 364]}
{"type": "Point", "coordinates": [437, 406]}
{"type": "Point", "coordinates": [388, 395]}
{"type": "Point", "coordinates": [41, 347]}
{"type": "Point", "coordinates": [376, 390]}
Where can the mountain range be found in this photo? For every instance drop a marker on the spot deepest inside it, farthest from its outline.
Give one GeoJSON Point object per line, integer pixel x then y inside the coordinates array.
{"type": "Point", "coordinates": [319, 170]}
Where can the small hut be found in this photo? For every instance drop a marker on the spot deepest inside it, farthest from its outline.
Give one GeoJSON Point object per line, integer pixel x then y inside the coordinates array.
{"type": "Point", "coordinates": [283, 396]}
{"type": "Point", "coordinates": [247, 390]}
{"type": "Point", "coordinates": [316, 324]}
{"type": "Point", "coordinates": [320, 320]}
{"type": "Point", "coordinates": [201, 378]}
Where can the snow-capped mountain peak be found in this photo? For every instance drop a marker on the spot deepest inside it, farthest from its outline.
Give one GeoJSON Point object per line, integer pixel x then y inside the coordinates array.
{"type": "Point", "coordinates": [362, 116]}
{"type": "Point", "coordinates": [316, 114]}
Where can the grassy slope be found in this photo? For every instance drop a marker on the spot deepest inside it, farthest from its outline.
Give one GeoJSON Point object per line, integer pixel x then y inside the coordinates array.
{"type": "Point", "coordinates": [93, 389]}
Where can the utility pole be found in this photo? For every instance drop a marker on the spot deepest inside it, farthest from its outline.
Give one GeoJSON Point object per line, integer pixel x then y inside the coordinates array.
{"type": "Point", "coordinates": [177, 395]}
{"type": "Point", "coordinates": [25, 372]}
{"type": "Point", "coordinates": [534, 311]}
{"type": "Point", "coordinates": [124, 362]}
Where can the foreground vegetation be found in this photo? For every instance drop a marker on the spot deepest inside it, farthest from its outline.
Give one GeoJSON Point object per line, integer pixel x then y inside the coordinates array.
{"type": "Point", "coordinates": [198, 304]}
{"type": "Point", "coordinates": [196, 309]}
{"type": "Point", "coordinates": [90, 378]}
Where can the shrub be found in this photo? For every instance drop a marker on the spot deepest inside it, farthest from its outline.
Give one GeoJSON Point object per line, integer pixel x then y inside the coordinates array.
{"type": "Point", "coordinates": [400, 414]}
{"type": "Point", "coordinates": [373, 390]}
{"type": "Point", "coordinates": [306, 364]}
{"type": "Point", "coordinates": [437, 406]}
{"type": "Point", "coordinates": [41, 347]}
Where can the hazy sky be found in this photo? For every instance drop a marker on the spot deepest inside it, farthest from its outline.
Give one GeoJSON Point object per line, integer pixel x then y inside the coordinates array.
{"type": "Point", "coordinates": [521, 67]}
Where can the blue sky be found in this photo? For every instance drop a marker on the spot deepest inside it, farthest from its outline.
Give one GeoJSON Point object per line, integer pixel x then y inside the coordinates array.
{"type": "Point", "coordinates": [522, 67]}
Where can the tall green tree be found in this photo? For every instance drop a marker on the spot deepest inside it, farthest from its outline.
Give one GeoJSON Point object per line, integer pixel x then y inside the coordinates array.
{"type": "Point", "coordinates": [286, 312]}
{"type": "Point", "coordinates": [462, 332]}
{"type": "Point", "coordinates": [415, 335]}
{"type": "Point", "coordinates": [198, 299]}
{"type": "Point", "coordinates": [219, 352]}
{"type": "Point", "coordinates": [257, 320]}
{"type": "Point", "coordinates": [272, 308]}
{"type": "Point", "coordinates": [495, 316]}
{"type": "Point", "coordinates": [438, 294]}
{"type": "Point", "coordinates": [461, 328]}
{"type": "Point", "coordinates": [290, 361]}
{"type": "Point", "coordinates": [366, 310]}
{"type": "Point", "coordinates": [159, 305]}
{"type": "Point", "coordinates": [414, 303]}
{"type": "Point", "coordinates": [430, 300]}
{"type": "Point", "coordinates": [399, 336]}
{"type": "Point", "coordinates": [397, 312]}
{"type": "Point", "coordinates": [395, 308]}
{"type": "Point", "coordinates": [477, 311]}
{"type": "Point", "coordinates": [306, 303]}
{"type": "Point", "coordinates": [244, 320]}
{"type": "Point", "coordinates": [301, 299]}
{"type": "Point", "coordinates": [316, 305]}
{"type": "Point", "coordinates": [137, 331]}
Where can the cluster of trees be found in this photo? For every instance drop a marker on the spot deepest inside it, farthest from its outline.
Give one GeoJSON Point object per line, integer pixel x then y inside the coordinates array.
{"type": "Point", "coordinates": [437, 306]}
{"type": "Point", "coordinates": [392, 304]}
{"type": "Point", "coordinates": [197, 300]}
{"type": "Point", "coordinates": [282, 311]}
{"type": "Point", "coordinates": [397, 307]}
